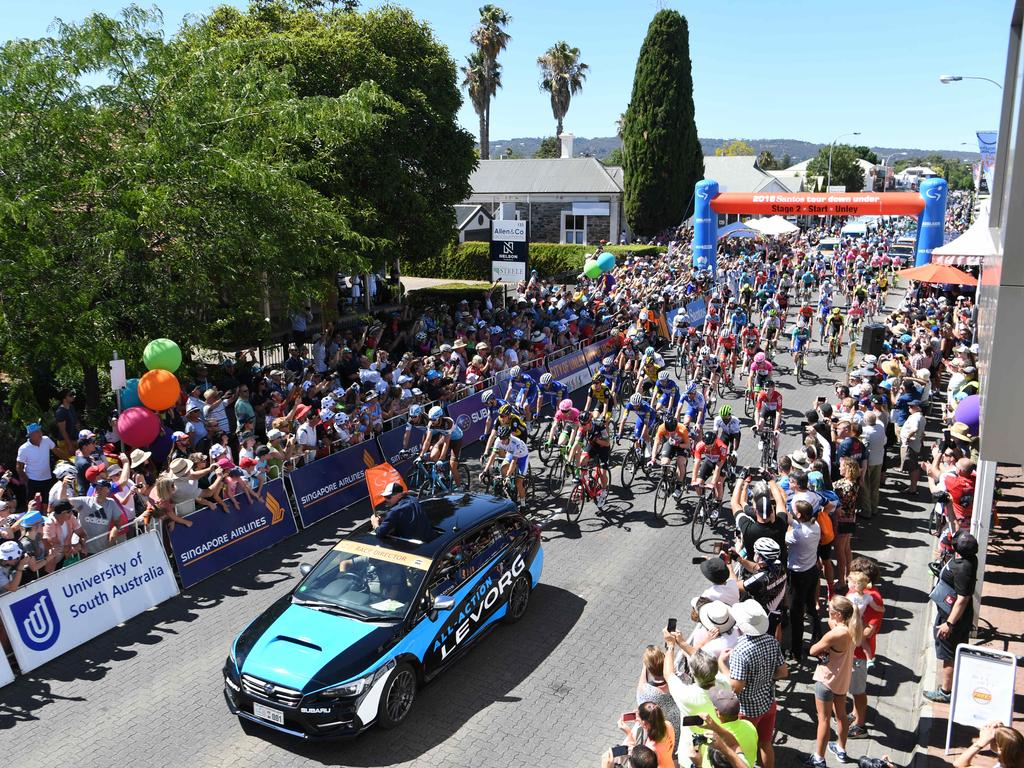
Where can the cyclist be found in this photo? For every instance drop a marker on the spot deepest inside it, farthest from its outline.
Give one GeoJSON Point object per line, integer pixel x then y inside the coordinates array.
{"type": "Point", "coordinates": [728, 428]}
{"type": "Point", "coordinates": [709, 458]}
{"type": "Point", "coordinates": [727, 351]}
{"type": "Point", "coordinates": [750, 340]}
{"type": "Point", "coordinates": [645, 417]}
{"type": "Point", "coordinates": [692, 407]}
{"type": "Point", "coordinates": [709, 367]}
{"type": "Point", "coordinates": [508, 416]}
{"type": "Point", "coordinates": [417, 421]}
{"type": "Point", "coordinates": [443, 440]}
{"type": "Point", "coordinates": [517, 460]}
{"type": "Point", "coordinates": [566, 419]}
{"type": "Point", "coordinates": [666, 393]}
{"type": "Point", "coordinates": [672, 442]}
{"type": "Point", "coordinates": [628, 357]}
{"type": "Point", "coordinates": [651, 363]}
{"type": "Point", "coordinates": [800, 336]}
{"type": "Point", "coordinates": [694, 341]}
{"type": "Point", "coordinates": [769, 406]}
{"type": "Point", "coordinates": [835, 325]}
{"type": "Point", "coordinates": [578, 438]}
{"type": "Point", "coordinates": [597, 445]}
{"type": "Point", "coordinates": [599, 396]}
{"type": "Point", "coordinates": [679, 327]}
{"type": "Point", "coordinates": [760, 369]}
{"type": "Point", "coordinates": [824, 308]}
{"type": "Point", "coordinates": [770, 328]}
{"type": "Point", "coordinates": [552, 391]}
{"type": "Point", "coordinates": [610, 370]}
{"type": "Point", "coordinates": [527, 392]}
{"type": "Point", "coordinates": [737, 317]}
{"type": "Point", "coordinates": [493, 403]}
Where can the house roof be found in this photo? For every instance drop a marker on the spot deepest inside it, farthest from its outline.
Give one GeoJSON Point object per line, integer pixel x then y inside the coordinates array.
{"type": "Point", "coordinates": [577, 175]}
{"type": "Point", "coordinates": [739, 173]}
{"type": "Point", "coordinates": [465, 213]}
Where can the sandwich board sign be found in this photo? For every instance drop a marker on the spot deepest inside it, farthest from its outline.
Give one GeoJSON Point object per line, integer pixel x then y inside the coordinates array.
{"type": "Point", "coordinates": [983, 688]}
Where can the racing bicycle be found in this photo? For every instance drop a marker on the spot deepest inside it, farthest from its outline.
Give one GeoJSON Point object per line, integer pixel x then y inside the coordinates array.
{"type": "Point", "coordinates": [496, 484]}
{"type": "Point", "coordinates": [435, 478]}
{"type": "Point", "coordinates": [835, 349]}
{"type": "Point", "coordinates": [587, 487]}
{"type": "Point", "coordinates": [632, 461]}
{"type": "Point", "coordinates": [703, 513]}
{"type": "Point", "coordinates": [667, 484]}
{"type": "Point", "coordinates": [766, 444]}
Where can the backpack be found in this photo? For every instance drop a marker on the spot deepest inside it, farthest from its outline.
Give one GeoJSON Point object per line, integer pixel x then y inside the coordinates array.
{"type": "Point", "coordinates": [828, 533]}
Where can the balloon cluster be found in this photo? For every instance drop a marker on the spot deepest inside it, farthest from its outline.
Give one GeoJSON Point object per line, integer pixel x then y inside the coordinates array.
{"type": "Point", "coordinates": [157, 390]}
{"type": "Point", "coordinates": [595, 267]}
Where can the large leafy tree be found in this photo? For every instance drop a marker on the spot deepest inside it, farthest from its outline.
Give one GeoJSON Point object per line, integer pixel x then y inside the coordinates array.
{"type": "Point", "coordinates": [490, 39]}
{"type": "Point", "coordinates": [845, 169]}
{"type": "Point", "coordinates": [663, 157]}
{"type": "Point", "coordinates": [550, 147]}
{"type": "Point", "coordinates": [562, 76]}
{"type": "Point", "coordinates": [735, 148]}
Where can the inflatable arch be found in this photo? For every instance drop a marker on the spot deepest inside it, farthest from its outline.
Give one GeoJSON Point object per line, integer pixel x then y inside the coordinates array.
{"type": "Point", "coordinates": [928, 205]}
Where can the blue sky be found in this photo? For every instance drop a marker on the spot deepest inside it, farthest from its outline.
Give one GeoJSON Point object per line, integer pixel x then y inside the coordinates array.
{"type": "Point", "coordinates": [796, 69]}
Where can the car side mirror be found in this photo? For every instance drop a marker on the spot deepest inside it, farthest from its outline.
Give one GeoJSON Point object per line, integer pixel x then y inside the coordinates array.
{"type": "Point", "coordinates": [305, 568]}
{"type": "Point", "coordinates": [443, 603]}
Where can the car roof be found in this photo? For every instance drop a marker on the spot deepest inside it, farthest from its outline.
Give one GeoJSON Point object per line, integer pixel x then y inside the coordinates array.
{"type": "Point", "coordinates": [450, 515]}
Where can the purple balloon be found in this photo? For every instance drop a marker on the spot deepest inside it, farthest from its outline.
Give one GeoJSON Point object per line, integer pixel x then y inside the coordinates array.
{"type": "Point", "coordinates": [161, 447]}
{"type": "Point", "coordinates": [968, 412]}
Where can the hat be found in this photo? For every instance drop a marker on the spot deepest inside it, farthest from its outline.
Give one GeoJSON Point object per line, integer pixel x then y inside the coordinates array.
{"type": "Point", "coordinates": [481, 346]}
{"type": "Point", "coordinates": [10, 550]}
{"type": "Point", "coordinates": [750, 617]}
{"type": "Point", "coordinates": [181, 467]}
{"type": "Point", "coordinates": [247, 462]}
{"type": "Point", "coordinates": [891, 367]}
{"type": "Point", "coordinates": [246, 435]}
{"type": "Point", "coordinates": [33, 427]}
{"type": "Point", "coordinates": [225, 463]}
{"type": "Point", "coordinates": [179, 435]}
{"type": "Point", "coordinates": [109, 449]}
{"type": "Point", "coordinates": [104, 483]}
{"type": "Point", "coordinates": [302, 412]}
{"type": "Point", "coordinates": [799, 458]}
{"type": "Point", "coordinates": [31, 518]}
{"type": "Point", "coordinates": [959, 430]}
{"type": "Point", "coordinates": [870, 359]}
{"type": "Point", "coordinates": [192, 409]}
{"type": "Point", "coordinates": [537, 337]}
{"type": "Point", "coordinates": [86, 433]}
{"type": "Point", "coordinates": [95, 472]}
{"type": "Point", "coordinates": [139, 457]}
{"type": "Point", "coordinates": [274, 434]}
{"type": "Point", "coordinates": [459, 344]}
{"type": "Point", "coordinates": [965, 544]}
{"type": "Point", "coordinates": [815, 481]}
{"type": "Point", "coordinates": [211, 392]}
{"type": "Point", "coordinates": [715, 570]}
{"type": "Point", "coordinates": [391, 489]}
{"type": "Point", "coordinates": [217, 450]}
{"type": "Point", "coordinates": [417, 392]}
{"type": "Point", "coordinates": [715, 615]}
{"type": "Point", "coordinates": [727, 703]}
{"type": "Point", "coordinates": [113, 469]}
{"type": "Point", "coordinates": [914, 403]}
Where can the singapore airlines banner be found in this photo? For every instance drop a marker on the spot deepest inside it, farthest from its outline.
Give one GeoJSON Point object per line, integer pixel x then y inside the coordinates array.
{"type": "Point", "coordinates": [71, 606]}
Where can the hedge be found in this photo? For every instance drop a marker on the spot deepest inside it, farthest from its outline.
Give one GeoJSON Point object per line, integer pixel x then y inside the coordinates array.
{"type": "Point", "coordinates": [471, 260]}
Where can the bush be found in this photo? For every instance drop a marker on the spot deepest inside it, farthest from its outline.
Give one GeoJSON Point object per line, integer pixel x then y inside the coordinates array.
{"type": "Point", "coordinates": [471, 261]}
{"type": "Point", "coordinates": [449, 296]}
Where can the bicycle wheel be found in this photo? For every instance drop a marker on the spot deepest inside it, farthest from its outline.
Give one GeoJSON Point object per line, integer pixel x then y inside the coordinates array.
{"type": "Point", "coordinates": [830, 361]}
{"type": "Point", "coordinates": [934, 521]}
{"type": "Point", "coordinates": [748, 405]}
{"type": "Point", "coordinates": [766, 453]}
{"type": "Point", "coordinates": [573, 506]}
{"type": "Point", "coordinates": [530, 489]}
{"type": "Point", "coordinates": [426, 489]}
{"type": "Point", "coordinates": [628, 384]}
{"type": "Point", "coordinates": [556, 478]}
{"type": "Point", "coordinates": [464, 480]}
{"type": "Point", "coordinates": [546, 451]}
{"type": "Point", "coordinates": [662, 494]}
{"type": "Point", "coordinates": [630, 464]}
{"type": "Point", "coordinates": [680, 364]}
{"type": "Point", "coordinates": [700, 515]}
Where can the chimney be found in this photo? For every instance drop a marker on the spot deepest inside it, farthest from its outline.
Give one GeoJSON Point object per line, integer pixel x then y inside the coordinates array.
{"type": "Point", "coordinates": [567, 139]}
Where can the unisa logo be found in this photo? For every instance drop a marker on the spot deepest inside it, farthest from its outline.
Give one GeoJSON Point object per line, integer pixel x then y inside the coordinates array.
{"type": "Point", "coordinates": [36, 619]}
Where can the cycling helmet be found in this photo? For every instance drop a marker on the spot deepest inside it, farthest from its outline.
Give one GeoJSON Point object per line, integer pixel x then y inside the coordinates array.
{"type": "Point", "coordinates": [768, 549]}
{"type": "Point", "coordinates": [759, 358]}
{"type": "Point", "coordinates": [435, 413]}
{"type": "Point", "coordinates": [691, 332]}
{"type": "Point", "coordinates": [705, 350]}
{"type": "Point", "coordinates": [671, 423]}
{"type": "Point", "coordinates": [505, 410]}
{"type": "Point", "coordinates": [504, 432]}
{"type": "Point", "coordinates": [515, 372]}
{"type": "Point", "coordinates": [608, 361]}
{"type": "Point", "coordinates": [662, 375]}
{"type": "Point", "coordinates": [772, 312]}
{"type": "Point", "coordinates": [709, 437]}
{"type": "Point", "coordinates": [565, 405]}
{"type": "Point", "coordinates": [836, 311]}
{"type": "Point", "coordinates": [421, 336]}
{"type": "Point", "coordinates": [585, 417]}
{"type": "Point", "coordinates": [691, 387]}
{"type": "Point", "coordinates": [416, 411]}
{"type": "Point", "coordinates": [649, 351]}
{"type": "Point", "coordinates": [769, 384]}
{"type": "Point", "coordinates": [725, 412]}
{"type": "Point", "coordinates": [546, 379]}
{"type": "Point", "coordinates": [487, 396]}
{"type": "Point", "coordinates": [598, 379]}
{"type": "Point", "coordinates": [636, 398]}
{"type": "Point", "coordinates": [751, 326]}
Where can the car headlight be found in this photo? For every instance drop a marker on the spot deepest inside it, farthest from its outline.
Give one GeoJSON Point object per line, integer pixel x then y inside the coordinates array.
{"type": "Point", "coordinates": [356, 687]}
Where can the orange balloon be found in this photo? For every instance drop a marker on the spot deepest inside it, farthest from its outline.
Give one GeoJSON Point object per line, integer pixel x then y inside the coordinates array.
{"type": "Point", "coordinates": [159, 390]}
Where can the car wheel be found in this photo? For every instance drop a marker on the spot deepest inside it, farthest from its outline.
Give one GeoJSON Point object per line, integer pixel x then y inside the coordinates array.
{"type": "Point", "coordinates": [397, 698]}
{"type": "Point", "coordinates": [518, 600]}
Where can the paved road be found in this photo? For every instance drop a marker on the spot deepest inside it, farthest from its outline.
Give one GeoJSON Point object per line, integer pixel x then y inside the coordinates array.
{"type": "Point", "coordinates": [545, 692]}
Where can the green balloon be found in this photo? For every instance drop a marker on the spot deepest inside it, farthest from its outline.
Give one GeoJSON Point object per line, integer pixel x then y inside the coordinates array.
{"type": "Point", "coordinates": [591, 269]}
{"type": "Point", "coordinates": [162, 354]}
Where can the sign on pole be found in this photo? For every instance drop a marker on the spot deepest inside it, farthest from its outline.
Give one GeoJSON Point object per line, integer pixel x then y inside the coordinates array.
{"type": "Point", "coordinates": [71, 606]}
{"type": "Point", "coordinates": [983, 688]}
{"type": "Point", "coordinates": [510, 246]}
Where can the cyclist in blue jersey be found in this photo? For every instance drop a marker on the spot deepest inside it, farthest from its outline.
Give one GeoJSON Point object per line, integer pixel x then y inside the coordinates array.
{"type": "Point", "coordinates": [550, 392]}
{"type": "Point", "coordinates": [443, 440]}
{"type": "Point", "coordinates": [493, 404]}
{"type": "Point", "coordinates": [645, 417]}
{"type": "Point", "coordinates": [691, 407]}
{"type": "Point", "coordinates": [666, 393]}
{"type": "Point", "coordinates": [527, 391]}
{"type": "Point", "coordinates": [737, 317]}
{"type": "Point", "coordinates": [612, 373]}
{"type": "Point", "coordinates": [415, 426]}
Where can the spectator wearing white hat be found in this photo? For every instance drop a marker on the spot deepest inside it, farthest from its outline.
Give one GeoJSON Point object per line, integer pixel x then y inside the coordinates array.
{"type": "Point", "coordinates": [13, 565]}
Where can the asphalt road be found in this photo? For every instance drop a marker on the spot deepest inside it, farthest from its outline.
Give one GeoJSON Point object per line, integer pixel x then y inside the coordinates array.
{"type": "Point", "coordinates": [547, 691]}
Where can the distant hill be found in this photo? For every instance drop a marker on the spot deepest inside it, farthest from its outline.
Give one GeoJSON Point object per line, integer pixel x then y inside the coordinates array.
{"type": "Point", "coordinates": [798, 150]}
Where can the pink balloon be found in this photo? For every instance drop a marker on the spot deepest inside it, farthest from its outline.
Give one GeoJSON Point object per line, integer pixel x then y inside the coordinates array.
{"type": "Point", "coordinates": [138, 427]}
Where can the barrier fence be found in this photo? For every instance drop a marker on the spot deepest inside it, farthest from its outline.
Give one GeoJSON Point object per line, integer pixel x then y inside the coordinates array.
{"type": "Point", "coordinates": [62, 610]}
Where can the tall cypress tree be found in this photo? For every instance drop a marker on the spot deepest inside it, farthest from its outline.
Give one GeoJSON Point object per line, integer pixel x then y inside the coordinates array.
{"type": "Point", "coordinates": [663, 158]}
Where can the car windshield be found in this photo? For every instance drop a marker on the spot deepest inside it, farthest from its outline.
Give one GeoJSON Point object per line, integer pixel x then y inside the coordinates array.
{"type": "Point", "coordinates": [364, 580]}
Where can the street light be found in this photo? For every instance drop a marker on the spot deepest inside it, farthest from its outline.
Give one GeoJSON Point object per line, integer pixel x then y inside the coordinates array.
{"type": "Point", "coordinates": [830, 148]}
{"type": "Point", "coordinates": [947, 79]}
{"type": "Point", "coordinates": [885, 162]}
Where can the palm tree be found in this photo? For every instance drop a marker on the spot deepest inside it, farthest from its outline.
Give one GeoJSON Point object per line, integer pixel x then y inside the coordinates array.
{"type": "Point", "coordinates": [481, 84]}
{"type": "Point", "coordinates": [490, 39]}
{"type": "Point", "coordinates": [562, 75]}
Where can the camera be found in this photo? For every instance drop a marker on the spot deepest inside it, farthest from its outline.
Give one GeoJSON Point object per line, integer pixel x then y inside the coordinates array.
{"type": "Point", "coordinates": [699, 739]}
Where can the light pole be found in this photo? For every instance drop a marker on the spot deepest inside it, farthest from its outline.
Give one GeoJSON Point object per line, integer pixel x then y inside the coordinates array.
{"type": "Point", "coordinates": [885, 163]}
{"type": "Point", "coordinates": [947, 79]}
{"type": "Point", "coordinates": [830, 148]}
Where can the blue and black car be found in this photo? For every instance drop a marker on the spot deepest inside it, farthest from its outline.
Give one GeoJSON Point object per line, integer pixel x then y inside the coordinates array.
{"type": "Point", "coordinates": [378, 617]}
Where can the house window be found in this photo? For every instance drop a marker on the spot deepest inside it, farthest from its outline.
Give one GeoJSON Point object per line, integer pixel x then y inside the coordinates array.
{"type": "Point", "coordinates": [574, 229]}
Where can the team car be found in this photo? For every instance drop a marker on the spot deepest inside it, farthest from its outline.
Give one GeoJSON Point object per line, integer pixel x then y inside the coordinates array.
{"type": "Point", "coordinates": [377, 617]}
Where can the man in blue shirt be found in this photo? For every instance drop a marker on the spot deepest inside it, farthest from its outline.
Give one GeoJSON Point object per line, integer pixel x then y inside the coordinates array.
{"type": "Point", "coordinates": [404, 517]}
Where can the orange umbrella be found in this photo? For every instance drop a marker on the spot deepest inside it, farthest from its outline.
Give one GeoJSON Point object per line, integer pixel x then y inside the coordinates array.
{"type": "Point", "coordinates": [938, 273]}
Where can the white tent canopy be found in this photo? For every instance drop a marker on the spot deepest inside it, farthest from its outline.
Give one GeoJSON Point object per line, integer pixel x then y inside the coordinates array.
{"type": "Point", "coordinates": [775, 225]}
{"type": "Point", "coordinates": [971, 248]}
{"type": "Point", "coordinates": [737, 229]}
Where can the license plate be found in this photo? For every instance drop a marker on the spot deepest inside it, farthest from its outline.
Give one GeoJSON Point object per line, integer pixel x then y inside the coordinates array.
{"type": "Point", "coordinates": [266, 713]}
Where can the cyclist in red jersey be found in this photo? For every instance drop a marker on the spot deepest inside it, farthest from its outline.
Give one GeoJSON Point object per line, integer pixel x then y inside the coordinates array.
{"type": "Point", "coordinates": [769, 406]}
{"type": "Point", "coordinates": [708, 461]}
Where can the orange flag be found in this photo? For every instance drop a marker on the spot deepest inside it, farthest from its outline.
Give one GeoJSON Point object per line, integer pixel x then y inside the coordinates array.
{"type": "Point", "coordinates": [377, 479]}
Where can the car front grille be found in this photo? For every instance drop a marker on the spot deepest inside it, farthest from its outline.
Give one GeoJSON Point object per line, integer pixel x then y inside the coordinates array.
{"type": "Point", "coordinates": [261, 689]}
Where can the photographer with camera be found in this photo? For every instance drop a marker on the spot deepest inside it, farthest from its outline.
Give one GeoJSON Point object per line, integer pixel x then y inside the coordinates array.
{"type": "Point", "coordinates": [637, 757]}
{"type": "Point", "coordinates": [759, 508]}
{"type": "Point", "coordinates": [763, 578]}
{"type": "Point", "coordinates": [13, 564]}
